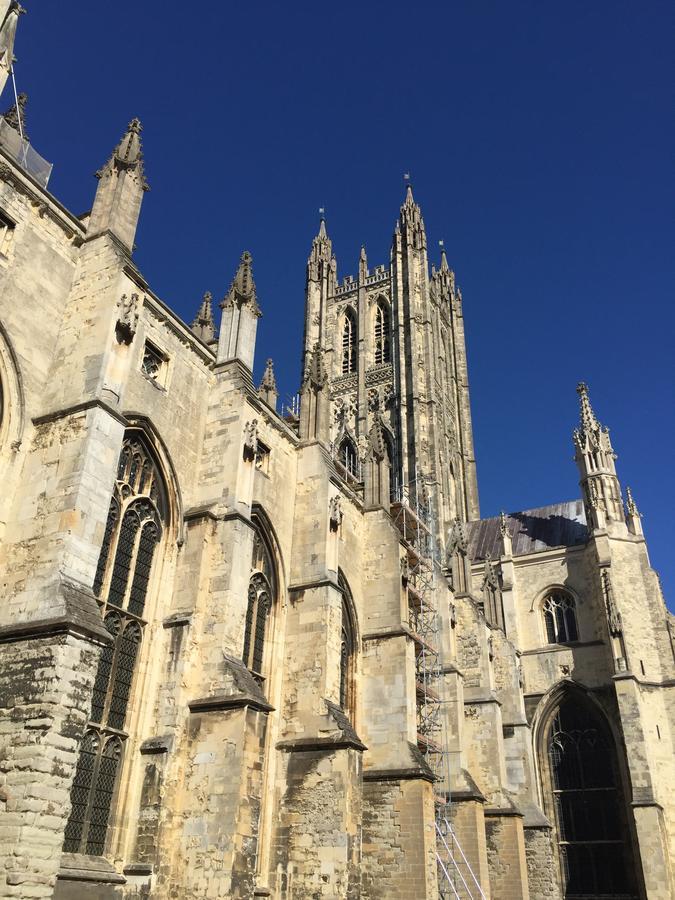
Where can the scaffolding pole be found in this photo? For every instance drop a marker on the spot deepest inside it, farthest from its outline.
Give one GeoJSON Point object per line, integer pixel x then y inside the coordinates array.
{"type": "Point", "coordinates": [412, 513]}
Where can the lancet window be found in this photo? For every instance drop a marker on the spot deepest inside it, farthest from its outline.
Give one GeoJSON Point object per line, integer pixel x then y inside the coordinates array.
{"type": "Point", "coordinates": [349, 343]}
{"type": "Point", "coordinates": [132, 533]}
{"type": "Point", "coordinates": [590, 812]}
{"type": "Point", "coordinates": [347, 456]}
{"type": "Point", "coordinates": [261, 596]}
{"type": "Point", "coordinates": [382, 333]}
{"type": "Point", "coordinates": [347, 649]}
{"type": "Point", "coordinates": [560, 618]}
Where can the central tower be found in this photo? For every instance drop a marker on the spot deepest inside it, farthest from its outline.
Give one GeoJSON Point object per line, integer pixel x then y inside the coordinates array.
{"type": "Point", "coordinates": [392, 344]}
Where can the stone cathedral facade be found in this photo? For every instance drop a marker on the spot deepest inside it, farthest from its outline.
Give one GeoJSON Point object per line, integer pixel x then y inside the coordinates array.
{"type": "Point", "coordinates": [252, 652]}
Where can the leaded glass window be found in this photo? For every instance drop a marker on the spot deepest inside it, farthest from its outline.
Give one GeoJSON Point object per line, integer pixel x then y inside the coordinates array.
{"type": "Point", "coordinates": [132, 533]}
{"type": "Point", "coordinates": [382, 334]}
{"type": "Point", "coordinates": [261, 593]}
{"type": "Point", "coordinates": [347, 648]}
{"type": "Point", "coordinates": [560, 618]}
{"type": "Point", "coordinates": [590, 812]}
{"type": "Point", "coordinates": [349, 343]}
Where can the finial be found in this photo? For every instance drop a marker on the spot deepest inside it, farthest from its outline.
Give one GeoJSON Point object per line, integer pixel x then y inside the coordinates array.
{"type": "Point", "coordinates": [203, 324]}
{"type": "Point", "coordinates": [268, 379]}
{"type": "Point", "coordinates": [444, 258]}
{"type": "Point", "coordinates": [631, 506]}
{"type": "Point", "coordinates": [242, 290]}
{"type": "Point", "coordinates": [128, 154]}
{"type": "Point", "coordinates": [503, 524]}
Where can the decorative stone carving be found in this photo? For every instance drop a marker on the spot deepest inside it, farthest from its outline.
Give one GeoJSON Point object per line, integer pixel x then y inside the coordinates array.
{"type": "Point", "coordinates": [613, 615]}
{"type": "Point", "coordinates": [250, 440]}
{"type": "Point", "coordinates": [335, 513]}
{"type": "Point", "coordinates": [127, 320]}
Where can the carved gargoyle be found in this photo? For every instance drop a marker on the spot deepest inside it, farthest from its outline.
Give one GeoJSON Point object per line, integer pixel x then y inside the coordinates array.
{"type": "Point", "coordinates": [250, 440]}
{"type": "Point", "coordinates": [127, 320]}
{"type": "Point", "coordinates": [335, 513]}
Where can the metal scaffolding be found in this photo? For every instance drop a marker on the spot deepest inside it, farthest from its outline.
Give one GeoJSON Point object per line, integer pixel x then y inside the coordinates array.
{"type": "Point", "coordinates": [412, 513]}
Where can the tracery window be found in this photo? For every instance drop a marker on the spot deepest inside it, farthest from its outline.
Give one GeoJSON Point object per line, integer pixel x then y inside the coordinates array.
{"type": "Point", "coordinates": [560, 618]}
{"type": "Point", "coordinates": [347, 649]}
{"type": "Point", "coordinates": [347, 456]}
{"type": "Point", "coordinates": [349, 343]}
{"type": "Point", "coordinates": [382, 334]}
{"type": "Point", "coordinates": [132, 532]}
{"type": "Point", "coordinates": [590, 813]}
{"type": "Point", "coordinates": [261, 595]}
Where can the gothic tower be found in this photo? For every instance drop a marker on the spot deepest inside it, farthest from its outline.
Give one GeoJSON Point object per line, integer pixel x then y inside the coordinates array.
{"type": "Point", "coordinates": [393, 343]}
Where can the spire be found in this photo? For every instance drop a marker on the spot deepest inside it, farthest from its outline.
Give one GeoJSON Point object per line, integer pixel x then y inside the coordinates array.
{"type": "Point", "coordinates": [268, 386]}
{"type": "Point", "coordinates": [242, 290]}
{"type": "Point", "coordinates": [411, 221]}
{"type": "Point", "coordinates": [633, 514]}
{"type": "Point", "coordinates": [122, 183]}
{"type": "Point", "coordinates": [10, 11]}
{"type": "Point", "coordinates": [589, 423]}
{"type": "Point", "coordinates": [241, 312]}
{"type": "Point", "coordinates": [203, 325]}
{"type": "Point", "coordinates": [443, 278]}
{"type": "Point", "coordinates": [128, 155]}
{"type": "Point", "coordinates": [15, 116]}
{"type": "Point", "coordinates": [595, 459]}
{"type": "Point", "coordinates": [321, 252]}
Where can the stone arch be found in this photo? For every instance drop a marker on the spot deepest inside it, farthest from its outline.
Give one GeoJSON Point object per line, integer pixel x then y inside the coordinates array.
{"type": "Point", "coordinates": [584, 789]}
{"type": "Point", "coordinates": [349, 648]}
{"type": "Point", "coordinates": [12, 399]}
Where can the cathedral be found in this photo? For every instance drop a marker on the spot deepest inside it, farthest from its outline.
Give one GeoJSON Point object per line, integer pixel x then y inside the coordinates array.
{"type": "Point", "coordinates": [250, 650]}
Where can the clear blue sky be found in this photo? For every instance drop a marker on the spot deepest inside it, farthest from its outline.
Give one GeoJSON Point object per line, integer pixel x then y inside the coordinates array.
{"type": "Point", "coordinates": [540, 140]}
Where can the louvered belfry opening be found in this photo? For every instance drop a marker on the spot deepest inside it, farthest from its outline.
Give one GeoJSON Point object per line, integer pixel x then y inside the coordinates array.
{"type": "Point", "coordinates": [134, 528]}
{"type": "Point", "coordinates": [591, 822]}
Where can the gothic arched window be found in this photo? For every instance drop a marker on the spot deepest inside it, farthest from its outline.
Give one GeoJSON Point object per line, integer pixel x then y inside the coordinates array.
{"type": "Point", "coordinates": [382, 333]}
{"type": "Point", "coordinates": [587, 800]}
{"type": "Point", "coordinates": [347, 649]}
{"type": "Point", "coordinates": [347, 456]}
{"type": "Point", "coordinates": [132, 532]}
{"type": "Point", "coordinates": [261, 596]}
{"type": "Point", "coordinates": [349, 342]}
{"type": "Point", "coordinates": [560, 618]}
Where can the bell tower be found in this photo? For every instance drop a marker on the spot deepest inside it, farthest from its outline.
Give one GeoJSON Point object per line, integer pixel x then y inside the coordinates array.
{"type": "Point", "coordinates": [392, 342]}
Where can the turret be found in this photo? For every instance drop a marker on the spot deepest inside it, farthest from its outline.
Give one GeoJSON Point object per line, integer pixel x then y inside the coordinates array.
{"type": "Point", "coordinates": [10, 11]}
{"type": "Point", "coordinates": [241, 312]}
{"type": "Point", "coordinates": [117, 205]}
{"type": "Point", "coordinates": [595, 458]}
{"type": "Point", "coordinates": [321, 280]}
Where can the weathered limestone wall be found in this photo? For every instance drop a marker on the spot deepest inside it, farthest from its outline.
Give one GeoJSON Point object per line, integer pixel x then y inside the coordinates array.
{"type": "Point", "coordinates": [45, 683]}
{"type": "Point", "coordinates": [398, 841]}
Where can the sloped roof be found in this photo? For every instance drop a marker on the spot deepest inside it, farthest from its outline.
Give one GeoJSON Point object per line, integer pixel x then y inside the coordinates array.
{"type": "Point", "coordinates": [557, 525]}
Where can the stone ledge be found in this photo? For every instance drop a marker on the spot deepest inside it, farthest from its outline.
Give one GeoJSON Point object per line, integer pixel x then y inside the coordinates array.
{"type": "Point", "coordinates": [85, 405]}
{"type": "Point", "coordinates": [80, 867]}
{"type": "Point", "coordinates": [311, 585]}
{"type": "Point", "coordinates": [155, 745]}
{"type": "Point", "coordinates": [137, 869]}
{"type": "Point", "coordinates": [217, 702]}
{"type": "Point", "coordinates": [327, 744]}
{"type": "Point", "coordinates": [177, 619]}
{"type": "Point", "coordinates": [80, 617]}
{"type": "Point", "coordinates": [411, 774]}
